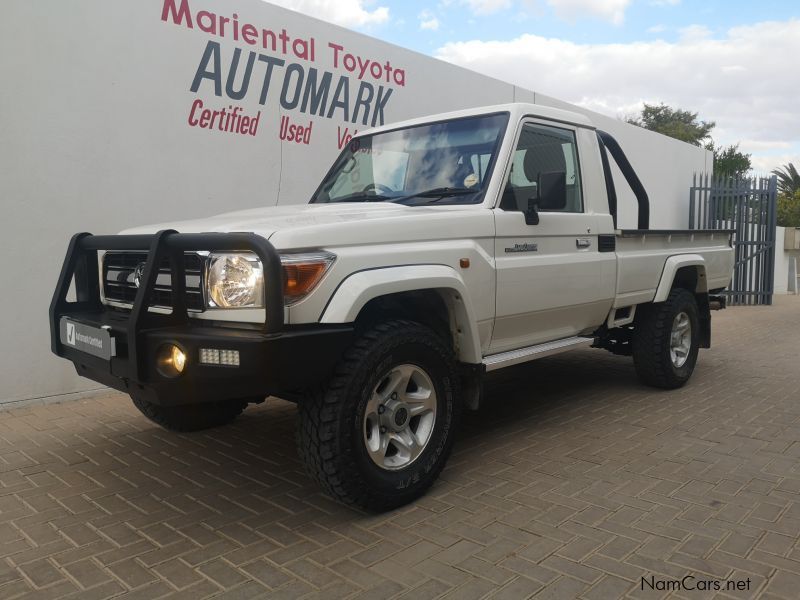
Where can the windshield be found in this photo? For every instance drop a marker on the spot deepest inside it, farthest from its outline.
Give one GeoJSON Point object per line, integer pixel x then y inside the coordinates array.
{"type": "Point", "coordinates": [447, 162]}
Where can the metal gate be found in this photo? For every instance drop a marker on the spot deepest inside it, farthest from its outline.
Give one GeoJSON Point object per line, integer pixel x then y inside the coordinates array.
{"type": "Point", "coordinates": [748, 207]}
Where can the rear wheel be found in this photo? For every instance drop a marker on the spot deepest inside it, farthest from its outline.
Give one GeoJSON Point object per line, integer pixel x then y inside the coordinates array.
{"type": "Point", "coordinates": [381, 432]}
{"type": "Point", "coordinates": [666, 338]}
{"type": "Point", "coordinates": [191, 417]}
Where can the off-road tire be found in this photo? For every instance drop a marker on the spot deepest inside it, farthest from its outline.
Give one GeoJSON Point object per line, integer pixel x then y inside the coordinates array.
{"type": "Point", "coordinates": [191, 417]}
{"type": "Point", "coordinates": [651, 340]}
{"type": "Point", "coordinates": [330, 422]}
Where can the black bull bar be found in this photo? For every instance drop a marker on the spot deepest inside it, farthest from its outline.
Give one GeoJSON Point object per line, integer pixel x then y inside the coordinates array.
{"type": "Point", "coordinates": [138, 332]}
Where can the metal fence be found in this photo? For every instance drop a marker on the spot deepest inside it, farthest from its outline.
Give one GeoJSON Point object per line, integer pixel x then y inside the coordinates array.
{"type": "Point", "coordinates": [748, 207]}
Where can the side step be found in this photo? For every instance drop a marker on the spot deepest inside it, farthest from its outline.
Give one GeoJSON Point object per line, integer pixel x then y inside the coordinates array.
{"type": "Point", "coordinates": [521, 355]}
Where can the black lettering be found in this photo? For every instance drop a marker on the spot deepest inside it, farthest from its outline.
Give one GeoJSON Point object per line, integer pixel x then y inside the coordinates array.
{"type": "Point", "coordinates": [317, 95]}
{"type": "Point", "coordinates": [380, 103]}
{"type": "Point", "coordinates": [365, 94]}
{"type": "Point", "coordinates": [211, 52]}
{"type": "Point", "coordinates": [240, 93]}
{"type": "Point", "coordinates": [292, 69]}
{"type": "Point", "coordinates": [271, 63]}
{"type": "Point", "coordinates": [341, 99]}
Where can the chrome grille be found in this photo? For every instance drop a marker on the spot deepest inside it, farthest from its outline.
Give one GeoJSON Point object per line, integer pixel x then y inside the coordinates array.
{"type": "Point", "coordinates": [119, 274]}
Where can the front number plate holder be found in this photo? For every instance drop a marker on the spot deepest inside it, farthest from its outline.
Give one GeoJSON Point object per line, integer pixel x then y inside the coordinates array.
{"type": "Point", "coordinates": [96, 341]}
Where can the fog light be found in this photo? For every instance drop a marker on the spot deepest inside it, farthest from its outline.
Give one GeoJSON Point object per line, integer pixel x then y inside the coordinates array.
{"type": "Point", "coordinates": [209, 356]}
{"type": "Point", "coordinates": [229, 357]}
{"type": "Point", "coordinates": [170, 360]}
{"type": "Point", "coordinates": [213, 356]}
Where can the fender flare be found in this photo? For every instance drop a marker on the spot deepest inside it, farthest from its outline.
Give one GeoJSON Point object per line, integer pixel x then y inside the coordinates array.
{"type": "Point", "coordinates": [359, 288]}
{"type": "Point", "coordinates": [671, 267]}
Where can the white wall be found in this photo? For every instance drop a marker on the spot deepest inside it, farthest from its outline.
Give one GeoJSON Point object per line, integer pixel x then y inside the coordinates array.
{"type": "Point", "coordinates": [94, 110]}
{"type": "Point", "coordinates": [782, 262]}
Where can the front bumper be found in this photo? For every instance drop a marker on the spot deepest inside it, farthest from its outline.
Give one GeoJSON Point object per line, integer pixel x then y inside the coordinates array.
{"type": "Point", "coordinates": [273, 359]}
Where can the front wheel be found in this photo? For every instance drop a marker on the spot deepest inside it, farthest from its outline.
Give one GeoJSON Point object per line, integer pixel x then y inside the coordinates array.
{"type": "Point", "coordinates": [666, 340]}
{"type": "Point", "coordinates": [381, 432]}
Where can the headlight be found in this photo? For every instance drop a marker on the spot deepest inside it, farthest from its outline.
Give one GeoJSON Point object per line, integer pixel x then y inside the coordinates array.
{"type": "Point", "coordinates": [235, 281]}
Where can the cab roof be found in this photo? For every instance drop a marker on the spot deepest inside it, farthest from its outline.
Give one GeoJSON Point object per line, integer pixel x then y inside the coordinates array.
{"type": "Point", "coordinates": [517, 111]}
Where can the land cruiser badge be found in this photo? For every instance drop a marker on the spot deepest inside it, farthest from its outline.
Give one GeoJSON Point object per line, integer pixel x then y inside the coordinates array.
{"type": "Point", "coordinates": [523, 248]}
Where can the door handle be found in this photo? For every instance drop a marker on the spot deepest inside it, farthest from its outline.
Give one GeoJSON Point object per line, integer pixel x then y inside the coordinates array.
{"type": "Point", "coordinates": [583, 242]}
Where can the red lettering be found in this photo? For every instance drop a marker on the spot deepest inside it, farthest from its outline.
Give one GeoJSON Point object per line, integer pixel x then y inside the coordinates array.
{"type": "Point", "coordinates": [344, 137]}
{"type": "Point", "coordinates": [249, 34]}
{"type": "Point", "coordinates": [362, 65]}
{"type": "Point", "coordinates": [284, 39]}
{"type": "Point", "coordinates": [336, 50]}
{"type": "Point", "coordinates": [214, 116]}
{"type": "Point", "coordinates": [195, 105]}
{"type": "Point", "coordinates": [207, 21]}
{"type": "Point", "coordinates": [204, 117]}
{"type": "Point", "coordinates": [178, 14]}
{"type": "Point", "coordinates": [300, 48]}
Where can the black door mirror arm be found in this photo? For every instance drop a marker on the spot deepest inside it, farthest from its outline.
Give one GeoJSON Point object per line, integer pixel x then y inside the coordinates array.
{"type": "Point", "coordinates": [532, 214]}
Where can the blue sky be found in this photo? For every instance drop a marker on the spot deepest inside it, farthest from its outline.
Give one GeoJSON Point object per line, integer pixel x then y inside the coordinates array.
{"type": "Point", "coordinates": [734, 62]}
{"type": "Point", "coordinates": [642, 21]}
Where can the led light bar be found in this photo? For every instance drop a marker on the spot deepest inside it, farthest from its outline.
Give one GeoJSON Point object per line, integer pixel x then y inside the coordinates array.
{"type": "Point", "coordinates": [215, 356]}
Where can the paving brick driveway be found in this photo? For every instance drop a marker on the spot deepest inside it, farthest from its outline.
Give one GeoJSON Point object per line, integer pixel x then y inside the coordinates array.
{"type": "Point", "coordinates": [572, 481]}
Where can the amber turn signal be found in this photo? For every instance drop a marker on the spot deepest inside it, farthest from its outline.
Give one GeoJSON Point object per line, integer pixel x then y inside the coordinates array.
{"type": "Point", "coordinates": [302, 272]}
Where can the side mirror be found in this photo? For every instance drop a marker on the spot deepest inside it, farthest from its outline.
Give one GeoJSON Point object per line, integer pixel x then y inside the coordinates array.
{"type": "Point", "coordinates": [551, 194]}
{"type": "Point", "coordinates": [552, 188]}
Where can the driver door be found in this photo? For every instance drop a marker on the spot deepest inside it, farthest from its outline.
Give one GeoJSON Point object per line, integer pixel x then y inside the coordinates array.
{"type": "Point", "coordinates": [552, 281]}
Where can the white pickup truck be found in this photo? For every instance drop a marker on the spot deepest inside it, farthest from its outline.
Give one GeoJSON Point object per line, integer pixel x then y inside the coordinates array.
{"type": "Point", "coordinates": [433, 251]}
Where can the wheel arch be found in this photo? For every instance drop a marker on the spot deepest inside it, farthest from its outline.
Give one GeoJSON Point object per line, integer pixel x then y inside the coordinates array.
{"type": "Point", "coordinates": [688, 271]}
{"type": "Point", "coordinates": [434, 295]}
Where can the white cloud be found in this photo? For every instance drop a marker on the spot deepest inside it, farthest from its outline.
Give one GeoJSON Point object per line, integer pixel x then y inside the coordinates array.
{"type": "Point", "coordinates": [740, 80]}
{"type": "Point", "coordinates": [427, 20]}
{"type": "Point", "coordinates": [657, 29]}
{"type": "Point", "coordinates": [569, 10]}
{"type": "Point", "coordinates": [694, 33]}
{"type": "Point", "coordinates": [487, 7]}
{"type": "Point", "coordinates": [609, 10]}
{"type": "Point", "coordinates": [349, 13]}
{"type": "Point", "coordinates": [764, 164]}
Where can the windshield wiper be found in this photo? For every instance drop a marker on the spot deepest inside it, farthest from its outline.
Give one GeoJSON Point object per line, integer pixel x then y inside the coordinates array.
{"type": "Point", "coordinates": [438, 193]}
{"type": "Point", "coordinates": [362, 198]}
{"type": "Point", "coordinates": [435, 193]}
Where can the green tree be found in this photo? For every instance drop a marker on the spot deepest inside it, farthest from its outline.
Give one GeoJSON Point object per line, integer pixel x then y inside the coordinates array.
{"type": "Point", "coordinates": [674, 122]}
{"type": "Point", "coordinates": [729, 160]}
{"type": "Point", "coordinates": [789, 210]}
{"type": "Point", "coordinates": [788, 180]}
